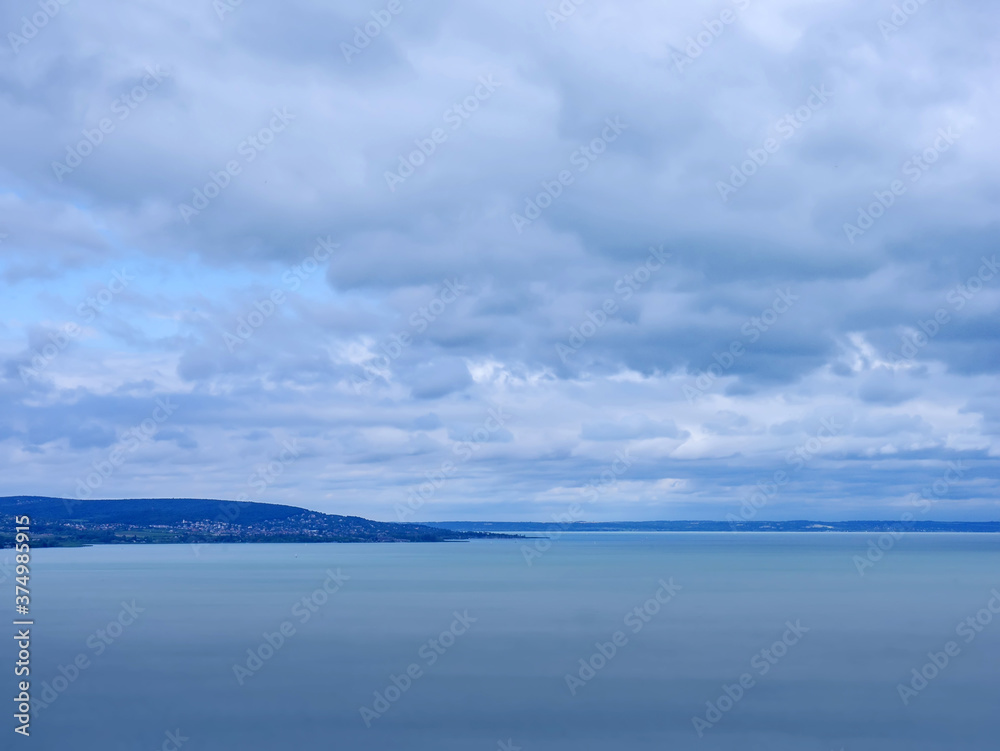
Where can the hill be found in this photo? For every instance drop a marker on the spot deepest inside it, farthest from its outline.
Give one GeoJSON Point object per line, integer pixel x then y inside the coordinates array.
{"type": "Point", "coordinates": [61, 522]}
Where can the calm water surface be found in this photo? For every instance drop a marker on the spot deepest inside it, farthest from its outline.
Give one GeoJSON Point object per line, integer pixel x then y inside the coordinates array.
{"type": "Point", "coordinates": [502, 677]}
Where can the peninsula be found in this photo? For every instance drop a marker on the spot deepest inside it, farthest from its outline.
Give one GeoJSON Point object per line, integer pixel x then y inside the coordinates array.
{"type": "Point", "coordinates": [62, 522]}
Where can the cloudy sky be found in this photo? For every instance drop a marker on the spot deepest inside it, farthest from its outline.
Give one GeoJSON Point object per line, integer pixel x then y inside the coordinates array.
{"type": "Point", "coordinates": [469, 260]}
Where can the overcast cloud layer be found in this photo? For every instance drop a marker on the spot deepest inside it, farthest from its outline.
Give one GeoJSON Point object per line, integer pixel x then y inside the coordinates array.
{"type": "Point", "coordinates": [695, 249]}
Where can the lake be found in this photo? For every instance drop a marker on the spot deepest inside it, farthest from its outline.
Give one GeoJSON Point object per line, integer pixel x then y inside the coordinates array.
{"type": "Point", "coordinates": [589, 641]}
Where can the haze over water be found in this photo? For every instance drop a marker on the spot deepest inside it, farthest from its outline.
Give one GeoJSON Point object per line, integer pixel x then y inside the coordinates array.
{"type": "Point", "coordinates": [503, 677]}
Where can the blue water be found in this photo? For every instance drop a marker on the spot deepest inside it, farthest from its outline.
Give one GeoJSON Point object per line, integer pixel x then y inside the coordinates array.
{"type": "Point", "coordinates": [502, 677]}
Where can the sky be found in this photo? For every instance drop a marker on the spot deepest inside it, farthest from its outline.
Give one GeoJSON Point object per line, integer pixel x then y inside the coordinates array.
{"type": "Point", "coordinates": [532, 260]}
